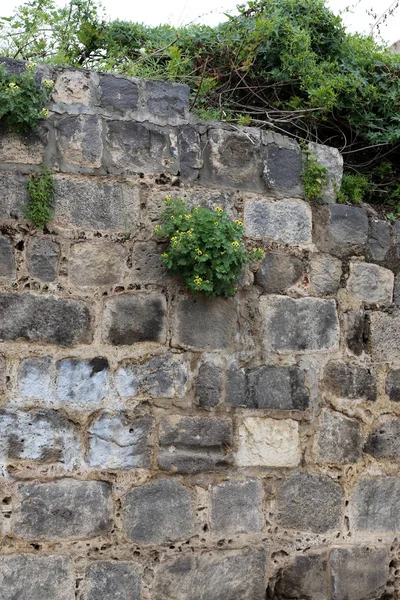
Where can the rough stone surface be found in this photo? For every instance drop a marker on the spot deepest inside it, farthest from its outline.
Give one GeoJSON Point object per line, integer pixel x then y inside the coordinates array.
{"type": "Point", "coordinates": [167, 102]}
{"type": "Point", "coordinates": [106, 579]}
{"type": "Point", "coordinates": [79, 141]}
{"type": "Point", "coordinates": [129, 319]}
{"type": "Point", "coordinates": [27, 148]}
{"type": "Point", "coordinates": [63, 509]}
{"type": "Point", "coordinates": [339, 439]}
{"type": "Point", "coordinates": [384, 441]}
{"type": "Point", "coordinates": [370, 283]}
{"type": "Point", "coordinates": [42, 258]}
{"type": "Point", "coordinates": [378, 239]}
{"type": "Point", "coordinates": [208, 386]}
{"type": "Point", "coordinates": [325, 274]}
{"type": "Point", "coordinates": [303, 325]}
{"type": "Point", "coordinates": [190, 152]}
{"type": "Point", "coordinates": [35, 379]}
{"type": "Point", "coordinates": [118, 93]}
{"type": "Point", "coordinates": [305, 577]}
{"type": "Point", "coordinates": [158, 513]}
{"type": "Point", "coordinates": [349, 380]}
{"type": "Point", "coordinates": [82, 384]}
{"type": "Point", "coordinates": [384, 340]}
{"type": "Point", "coordinates": [72, 87]}
{"type": "Point", "coordinates": [278, 272]}
{"type": "Point", "coordinates": [236, 507]}
{"type": "Point", "coordinates": [268, 442]}
{"type": "Point", "coordinates": [97, 264]}
{"type": "Point", "coordinates": [332, 160]}
{"type": "Point", "coordinates": [358, 573]}
{"type": "Point", "coordinates": [7, 260]}
{"type": "Point", "coordinates": [309, 502]}
{"type": "Point", "coordinates": [147, 266]}
{"type": "Point", "coordinates": [282, 221]}
{"type": "Point", "coordinates": [163, 376]}
{"type": "Point", "coordinates": [282, 170]}
{"type": "Point", "coordinates": [13, 196]}
{"type": "Point", "coordinates": [356, 326]}
{"type": "Point", "coordinates": [375, 504]}
{"type": "Point", "coordinates": [393, 385]}
{"type": "Point", "coordinates": [341, 229]}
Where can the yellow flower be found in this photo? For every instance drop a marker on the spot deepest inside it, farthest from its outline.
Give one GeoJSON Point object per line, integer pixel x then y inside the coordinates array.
{"type": "Point", "coordinates": [174, 239]}
{"type": "Point", "coordinates": [157, 228]}
{"type": "Point", "coordinates": [164, 255]}
{"type": "Point", "coordinates": [31, 65]}
{"type": "Point", "coordinates": [196, 208]}
{"type": "Point", "coordinates": [239, 222]}
{"type": "Point", "coordinates": [216, 223]}
{"type": "Point", "coordinates": [13, 85]}
{"type": "Point", "coordinates": [188, 216]}
{"type": "Point", "coordinates": [172, 217]}
{"type": "Point", "coordinates": [48, 83]}
{"type": "Point", "coordinates": [198, 251]}
{"type": "Point", "coordinates": [44, 112]}
{"type": "Point", "coordinates": [219, 209]}
{"type": "Point", "coordinates": [198, 280]}
{"type": "Point", "coordinates": [236, 244]}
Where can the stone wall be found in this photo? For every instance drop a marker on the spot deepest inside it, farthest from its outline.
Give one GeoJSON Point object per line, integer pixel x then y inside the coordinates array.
{"type": "Point", "coordinates": [158, 446]}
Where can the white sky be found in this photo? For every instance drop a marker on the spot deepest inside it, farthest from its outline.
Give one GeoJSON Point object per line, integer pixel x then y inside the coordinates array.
{"type": "Point", "coordinates": [182, 12]}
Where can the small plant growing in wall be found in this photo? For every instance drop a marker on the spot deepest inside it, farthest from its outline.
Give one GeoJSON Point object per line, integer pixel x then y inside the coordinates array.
{"type": "Point", "coordinates": [205, 248]}
{"type": "Point", "coordinates": [41, 190]}
{"type": "Point", "coordinates": [314, 176]}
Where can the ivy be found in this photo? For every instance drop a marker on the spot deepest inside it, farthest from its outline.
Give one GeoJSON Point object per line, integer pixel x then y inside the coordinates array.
{"type": "Point", "coordinates": [41, 191]}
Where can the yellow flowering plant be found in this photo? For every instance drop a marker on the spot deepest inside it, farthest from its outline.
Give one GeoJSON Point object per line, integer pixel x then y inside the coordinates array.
{"type": "Point", "coordinates": [205, 247]}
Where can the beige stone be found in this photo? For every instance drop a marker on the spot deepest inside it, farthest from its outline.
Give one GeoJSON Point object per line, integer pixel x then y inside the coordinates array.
{"type": "Point", "coordinates": [28, 149]}
{"type": "Point", "coordinates": [268, 442]}
{"type": "Point", "coordinates": [93, 264]}
{"type": "Point", "coordinates": [370, 283]}
{"type": "Point", "coordinates": [72, 87]}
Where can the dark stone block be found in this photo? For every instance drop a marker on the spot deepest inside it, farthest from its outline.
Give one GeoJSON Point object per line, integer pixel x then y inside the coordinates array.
{"type": "Point", "coordinates": [384, 441]}
{"type": "Point", "coordinates": [277, 272]}
{"type": "Point", "coordinates": [356, 331]}
{"type": "Point", "coordinates": [358, 573]}
{"type": "Point", "coordinates": [236, 507]}
{"type": "Point", "coordinates": [379, 239]}
{"type": "Point", "coordinates": [112, 580]}
{"type": "Point", "coordinates": [339, 439]}
{"type": "Point", "coordinates": [42, 258]}
{"type": "Point", "coordinates": [79, 141]}
{"type": "Point", "coordinates": [166, 99]}
{"type": "Point", "coordinates": [146, 264]}
{"type": "Point", "coordinates": [375, 504]}
{"type": "Point", "coordinates": [393, 385]}
{"type": "Point", "coordinates": [7, 261]}
{"type": "Point", "coordinates": [190, 152]}
{"type": "Point", "coordinates": [341, 230]}
{"type": "Point", "coordinates": [283, 170]}
{"type": "Point", "coordinates": [163, 376]}
{"type": "Point", "coordinates": [118, 93]}
{"type": "Point", "coordinates": [208, 386]}
{"type": "Point", "coordinates": [306, 577]}
{"type": "Point", "coordinates": [347, 380]}
{"type": "Point", "coordinates": [13, 196]}
{"type": "Point", "coordinates": [130, 319]}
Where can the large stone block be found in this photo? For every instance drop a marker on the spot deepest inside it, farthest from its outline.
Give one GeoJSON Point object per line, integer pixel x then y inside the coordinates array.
{"type": "Point", "coordinates": [236, 507]}
{"type": "Point", "coordinates": [167, 103]}
{"type": "Point", "coordinates": [42, 258]}
{"type": "Point", "coordinates": [208, 385]}
{"type": "Point", "coordinates": [384, 441]}
{"type": "Point", "coordinates": [82, 384]}
{"type": "Point", "coordinates": [190, 152]}
{"type": "Point", "coordinates": [72, 90]}
{"type": "Point", "coordinates": [111, 579]}
{"type": "Point", "coordinates": [305, 577]}
{"type": "Point", "coordinates": [163, 376]}
{"type": "Point", "coordinates": [13, 196]}
{"type": "Point", "coordinates": [339, 439]}
{"type": "Point", "coordinates": [356, 326]}
{"type": "Point", "coordinates": [147, 267]}
{"type": "Point", "coordinates": [117, 441]}
{"type": "Point", "coordinates": [7, 260]}
{"type": "Point", "coordinates": [392, 387]}
{"type": "Point", "coordinates": [378, 239]}
{"type": "Point", "coordinates": [35, 379]}
{"type": "Point", "coordinates": [325, 274]}
{"type": "Point", "coordinates": [97, 264]}
{"type": "Point", "coordinates": [349, 380]}
{"type": "Point", "coordinates": [158, 513]}
{"type": "Point", "coordinates": [79, 142]}
{"type": "Point", "coordinates": [283, 167]}
{"type": "Point", "coordinates": [224, 575]}
{"type": "Point", "coordinates": [370, 283]}
{"type": "Point", "coordinates": [341, 229]}
{"type": "Point", "coordinates": [303, 325]}
{"type": "Point", "coordinates": [358, 573]}
{"type": "Point", "coordinates": [278, 272]}
{"type": "Point", "coordinates": [118, 94]}
{"type": "Point", "coordinates": [282, 221]}
{"type": "Point", "coordinates": [309, 502]}
{"type": "Point", "coordinates": [27, 577]}
{"type": "Point", "coordinates": [23, 148]}
{"type": "Point", "coordinates": [132, 318]}
{"type": "Point", "coordinates": [265, 442]}
{"type": "Point", "coordinates": [44, 319]}
{"type": "Point", "coordinates": [384, 336]}
{"type": "Point", "coordinates": [63, 509]}
{"type": "Point", "coordinates": [375, 505]}
{"type": "Point", "coordinates": [332, 160]}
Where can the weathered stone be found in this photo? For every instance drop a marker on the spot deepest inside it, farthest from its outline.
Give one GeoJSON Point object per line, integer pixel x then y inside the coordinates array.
{"type": "Point", "coordinates": [282, 170]}
{"type": "Point", "coordinates": [384, 441]}
{"type": "Point", "coordinates": [339, 439]}
{"type": "Point", "coordinates": [228, 575]}
{"type": "Point", "coordinates": [35, 378]}
{"type": "Point", "coordinates": [163, 376]}
{"type": "Point", "coordinates": [79, 141]}
{"type": "Point", "coordinates": [72, 87]}
{"type": "Point", "coordinates": [384, 338]}
{"type": "Point", "coordinates": [63, 509]}
{"type": "Point", "coordinates": [332, 160]}
{"type": "Point", "coordinates": [396, 291]}
{"type": "Point", "coordinates": [27, 577]}
{"type": "Point", "coordinates": [82, 384]}
{"type": "Point", "coordinates": [118, 93]}
{"type": "Point", "coordinates": [42, 258]}
{"type": "Point", "coordinates": [204, 323]}
{"type": "Point", "coordinates": [44, 318]}
{"type": "Point", "coordinates": [303, 325]}
{"type": "Point", "coordinates": [167, 103]}
{"type": "Point", "coordinates": [283, 221]}
{"type": "Point", "coordinates": [370, 283]}
{"type": "Point", "coordinates": [271, 386]}
{"type": "Point", "coordinates": [358, 573]}
{"type": "Point", "coordinates": [208, 385]}
{"type": "Point", "coordinates": [7, 260]}
{"type": "Point", "coordinates": [375, 504]}
{"type": "Point", "coordinates": [119, 442]}
{"type": "Point", "coordinates": [190, 154]}
{"type": "Point", "coordinates": [194, 444]}
{"type": "Point", "coordinates": [348, 380]}
{"type": "Point", "coordinates": [159, 513]}
{"type": "Point", "coordinates": [356, 331]}
{"type": "Point", "coordinates": [378, 239]}
{"type": "Point", "coordinates": [23, 148]}
{"type": "Point", "coordinates": [13, 196]}
{"type": "Point", "coordinates": [236, 507]}
{"type": "Point", "coordinates": [132, 318]}
{"type": "Point", "coordinates": [325, 274]}
{"type": "Point", "coordinates": [341, 229]}
{"type": "Point", "coordinates": [146, 264]}
{"type": "Point", "coordinates": [309, 502]}
{"type": "Point", "coordinates": [265, 442]}
{"type": "Point", "coordinates": [393, 385]}
{"type": "Point", "coordinates": [111, 579]}
{"type": "Point", "coordinates": [278, 272]}
{"type": "Point", "coordinates": [306, 577]}
{"type": "Point", "coordinates": [97, 264]}
{"type": "Point", "coordinates": [3, 371]}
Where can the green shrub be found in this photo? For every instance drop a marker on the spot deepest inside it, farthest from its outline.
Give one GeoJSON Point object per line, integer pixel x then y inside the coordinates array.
{"type": "Point", "coordinates": [41, 198]}
{"type": "Point", "coordinates": [205, 248]}
{"type": "Point", "coordinates": [314, 177]}
{"type": "Point", "coordinates": [354, 187]}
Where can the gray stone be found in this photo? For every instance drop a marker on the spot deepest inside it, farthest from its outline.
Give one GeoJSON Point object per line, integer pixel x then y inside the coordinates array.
{"type": "Point", "coordinates": [384, 336]}
{"type": "Point", "coordinates": [358, 573]}
{"type": "Point", "coordinates": [332, 160]}
{"type": "Point", "coordinates": [23, 148]}
{"type": "Point", "coordinates": [370, 283]}
{"type": "Point", "coordinates": [13, 196]}
{"type": "Point", "coordinates": [223, 575]}
{"type": "Point", "coordinates": [167, 103]}
{"type": "Point", "coordinates": [384, 441]}
{"type": "Point", "coordinates": [158, 513]}
{"type": "Point", "coordinates": [118, 93]}
{"type": "Point", "coordinates": [236, 507]}
{"type": "Point", "coordinates": [42, 258]}
{"type": "Point", "coordinates": [303, 325]}
{"type": "Point", "coordinates": [356, 331]}
{"type": "Point", "coordinates": [132, 318]}
{"type": "Point", "coordinates": [119, 442]}
{"type": "Point", "coordinates": [111, 579]}
{"type": "Point", "coordinates": [44, 318]}
{"type": "Point", "coordinates": [190, 152]}
{"type": "Point", "coordinates": [35, 378]}
{"type": "Point", "coordinates": [63, 509]}
{"type": "Point", "coordinates": [278, 272]}
{"type": "Point", "coordinates": [147, 267]}
{"type": "Point", "coordinates": [396, 290]}
{"type": "Point", "coordinates": [97, 264]}
{"type": "Point", "coordinates": [287, 221]}
{"type": "Point", "coordinates": [305, 577]}
{"type": "Point", "coordinates": [393, 385]}
{"type": "Point", "coordinates": [309, 502]}
{"type": "Point", "coordinates": [163, 376]}
{"type": "Point", "coordinates": [79, 142]}
{"type": "Point", "coordinates": [82, 384]}
{"type": "Point", "coordinates": [272, 387]}
{"type": "Point", "coordinates": [204, 323]}
{"type": "Point", "coordinates": [375, 504]}
{"type": "Point", "coordinates": [27, 577]}
{"type": "Point", "coordinates": [282, 171]}
{"type": "Point", "coordinates": [378, 239]}
{"type": "Point", "coordinates": [208, 385]}
{"type": "Point", "coordinates": [348, 380]}
{"type": "Point", "coordinates": [3, 371]}
{"type": "Point", "coordinates": [7, 260]}
{"type": "Point", "coordinates": [341, 229]}
{"type": "Point", "coordinates": [325, 274]}
{"type": "Point", "coordinates": [339, 439]}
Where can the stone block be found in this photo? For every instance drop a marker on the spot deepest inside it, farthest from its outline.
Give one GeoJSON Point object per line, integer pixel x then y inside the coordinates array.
{"type": "Point", "coordinates": [23, 148]}
{"type": "Point", "coordinates": [396, 291]}
{"type": "Point", "coordinates": [375, 505]}
{"type": "Point", "coordinates": [118, 94]}
{"type": "Point", "coordinates": [348, 380]}
{"type": "Point", "coordinates": [158, 513]}
{"type": "Point", "coordinates": [358, 573]}
{"type": "Point", "coordinates": [46, 319]}
{"type": "Point", "coordinates": [355, 331]}
{"type": "Point", "coordinates": [72, 88]}
{"type": "Point", "coordinates": [63, 509]}
{"type": "Point", "coordinates": [282, 170]}
{"type": "Point", "coordinates": [265, 442]}
{"type": "Point", "coordinates": [111, 579]}
{"type": "Point", "coordinates": [370, 283]}
{"type": "Point", "coordinates": [42, 258]}
{"type": "Point", "coordinates": [132, 318]}
{"type": "Point", "coordinates": [35, 379]}
{"type": "Point", "coordinates": [305, 577]}
{"type": "Point", "coordinates": [332, 160]}
{"type": "Point", "coordinates": [79, 142]}
{"type": "Point", "coordinates": [267, 386]}
{"type": "Point", "coordinates": [118, 441]}
{"type": "Point", "coordinates": [236, 507]}
{"type": "Point", "coordinates": [384, 441]}
{"type": "Point", "coordinates": [167, 103]}
{"type": "Point", "coordinates": [190, 152]}
{"type": "Point", "coordinates": [194, 444]}
{"type": "Point", "coordinates": [13, 196]}
{"type": "Point", "coordinates": [91, 204]}
{"type": "Point", "coordinates": [378, 239]}
{"type": "Point", "coordinates": [287, 221]}
{"type": "Point", "coordinates": [325, 274]}
{"type": "Point", "coordinates": [163, 376]}
{"type": "Point", "coordinates": [341, 230]}
{"type": "Point", "coordinates": [204, 323]}
{"type": "Point", "coordinates": [278, 272]}
{"type": "Point", "coordinates": [27, 577]}
{"type": "Point", "coordinates": [299, 326]}
{"type": "Point", "coordinates": [97, 264]}
{"type": "Point", "coordinates": [393, 385]}
{"type": "Point", "coordinates": [82, 384]}
{"type": "Point", "coordinates": [208, 384]}
{"type": "Point", "coordinates": [223, 575]}
{"type": "Point", "coordinates": [338, 439]}
{"type": "Point", "coordinates": [147, 267]}
{"type": "Point", "coordinates": [384, 336]}
{"type": "Point", "coordinates": [7, 260]}
{"type": "Point", "coordinates": [309, 502]}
